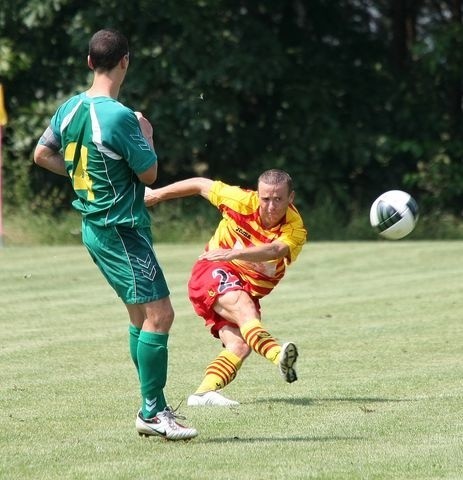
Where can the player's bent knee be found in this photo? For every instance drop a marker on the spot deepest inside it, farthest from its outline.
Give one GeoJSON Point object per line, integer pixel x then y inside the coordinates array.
{"type": "Point", "coordinates": [239, 347]}
{"type": "Point", "coordinates": [159, 315]}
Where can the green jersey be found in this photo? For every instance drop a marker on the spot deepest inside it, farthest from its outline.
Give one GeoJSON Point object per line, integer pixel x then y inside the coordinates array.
{"type": "Point", "coordinates": [104, 149]}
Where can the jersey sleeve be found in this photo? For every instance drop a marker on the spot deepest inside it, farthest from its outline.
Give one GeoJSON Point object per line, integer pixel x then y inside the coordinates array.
{"type": "Point", "coordinates": [127, 138]}
{"type": "Point", "coordinates": [233, 197]}
{"type": "Point", "coordinates": [49, 139]}
{"type": "Point", "coordinates": [294, 235]}
{"type": "Point", "coordinates": [52, 135]}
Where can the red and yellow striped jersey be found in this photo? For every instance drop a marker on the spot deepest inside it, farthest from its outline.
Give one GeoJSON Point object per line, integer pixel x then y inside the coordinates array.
{"type": "Point", "coordinates": [240, 227]}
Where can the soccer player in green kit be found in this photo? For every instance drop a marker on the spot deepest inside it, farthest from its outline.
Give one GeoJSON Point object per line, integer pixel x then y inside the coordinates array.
{"type": "Point", "coordinates": [106, 149]}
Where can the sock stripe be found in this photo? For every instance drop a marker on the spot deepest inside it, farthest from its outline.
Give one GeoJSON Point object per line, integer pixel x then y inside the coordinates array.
{"type": "Point", "coordinates": [226, 364]}
{"type": "Point", "coordinates": [226, 373]}
{"type": "Point", "coordinates": [260, 340]}
{"type": "Point", "coordinates": [218, 373]}
{"type": "Point", "coordinates": [260, 343]}
{"type": "Point", "coordinates": [251, 332]}
{"type": "Point", "coordinates": [222, 368]}
{"type": "Point", "coordinates": [267, 346]}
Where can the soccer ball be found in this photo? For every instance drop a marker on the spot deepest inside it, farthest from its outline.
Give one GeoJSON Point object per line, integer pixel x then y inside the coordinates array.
{"type": "Point", "coordinates": [394, 214]}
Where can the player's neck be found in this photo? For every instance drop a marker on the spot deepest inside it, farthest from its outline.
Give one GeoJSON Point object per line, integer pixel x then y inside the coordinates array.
{"type": "Point", "coordinates": [104, 86]}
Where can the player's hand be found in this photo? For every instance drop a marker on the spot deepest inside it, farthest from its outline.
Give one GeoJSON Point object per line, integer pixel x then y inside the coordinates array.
{"type": "Point", "coordinates": [151, 197]}
{"type": "Point", "coordinates": [145, 126]}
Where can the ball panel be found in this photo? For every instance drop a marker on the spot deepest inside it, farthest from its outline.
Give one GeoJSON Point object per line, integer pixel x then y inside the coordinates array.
{"type": "Point", "coordinates": [387, 215]}
{"type": "Point", "coordinates": [400, 229]}
{"type": "Point", "coordinates": [413, 207]}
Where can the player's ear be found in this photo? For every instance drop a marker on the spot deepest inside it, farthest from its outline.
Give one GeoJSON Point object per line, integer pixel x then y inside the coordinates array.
{"type": "Point", "coordinates": [291, 197]}
{"type": "Point", "coordinates": [90, 63]}
{"type": "Point", "coordinates": [125, 61]}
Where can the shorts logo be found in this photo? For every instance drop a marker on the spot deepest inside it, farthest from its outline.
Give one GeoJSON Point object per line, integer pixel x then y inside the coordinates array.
{"type": "Point", "coordinates": [148, 270]}
{"type": "Point", "coordinates": [211, 293]}
{"type": "Point", "coordinates": [225, 281]}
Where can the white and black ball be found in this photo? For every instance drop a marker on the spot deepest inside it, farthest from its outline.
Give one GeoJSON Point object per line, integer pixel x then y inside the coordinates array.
{"type": "Point", "coordinates": [394, 214]}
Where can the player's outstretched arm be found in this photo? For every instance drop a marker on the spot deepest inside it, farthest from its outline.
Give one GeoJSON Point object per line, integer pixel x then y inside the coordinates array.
{"type": "Point", "coordinates": [257, 253]}
{"type": "Point", "coordinates": [183, 188]}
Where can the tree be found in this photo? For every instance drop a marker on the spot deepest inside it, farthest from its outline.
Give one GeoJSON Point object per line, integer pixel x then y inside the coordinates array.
{"type": "Point", "coordinates": [352, 97]}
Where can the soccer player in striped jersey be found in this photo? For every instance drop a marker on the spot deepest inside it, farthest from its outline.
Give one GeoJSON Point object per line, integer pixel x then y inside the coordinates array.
{"type": "Point", "coordinates": [260, 234]}
{"type": "Point", "coordinates": [106, 150]}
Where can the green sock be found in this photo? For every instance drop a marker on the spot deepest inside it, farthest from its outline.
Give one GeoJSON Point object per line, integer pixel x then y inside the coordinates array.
{"type": "Point", "coordinates": [152, 367]}
{"type": "Point", "coordinates": [134, 334]}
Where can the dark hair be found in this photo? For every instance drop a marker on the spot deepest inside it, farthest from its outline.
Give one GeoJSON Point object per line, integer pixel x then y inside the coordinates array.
{"type": "Point", "coordinates": [276, 177]}
{"type": "Point", "coordinates": [106, 48]}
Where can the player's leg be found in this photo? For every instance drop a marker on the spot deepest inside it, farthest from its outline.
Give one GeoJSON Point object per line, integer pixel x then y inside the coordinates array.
{"type": "Point", "coordinates": [238, 307]}
{"type": "Point", "coordinates": [150, 352]}
{"type": "Point", "coordinates": [138, 278]}
{"type": "Point", "coordinates": [126, 258]}
{"type": "Point", "coordinates": [155, 417]}
{"type": "Point", "coordinates": [222, 370]}
{"type": "Point", "coordinates": [152, 311]}
{"type": "Point", "coordinates": [134, 335]}
{"type": "Point", "coordinates": [215, 290]}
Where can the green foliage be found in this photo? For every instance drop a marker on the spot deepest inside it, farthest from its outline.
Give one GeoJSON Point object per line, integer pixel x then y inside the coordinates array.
{"type": "Point", "coordinates": [316, 88]}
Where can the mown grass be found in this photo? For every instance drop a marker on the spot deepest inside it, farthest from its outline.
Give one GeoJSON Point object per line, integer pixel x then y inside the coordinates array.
{"type": "Point", "coordinates": [380, 385]}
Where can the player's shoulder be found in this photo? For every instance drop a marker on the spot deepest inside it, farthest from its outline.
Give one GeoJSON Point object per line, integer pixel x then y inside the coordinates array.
{"type": "Point", "coordinates": [113, 114]}
{"type": "Point", "coordinates": [112, 106]}
{"type": "Point", "coordinates": [293, 215]}
{"type": "Point", "coordinates": [219, 185]}
{"type": "Point", "coordinates": [233, 196]}
{"type": "Point", "coordinates": [65, 109]}
{"type": "Point", "coordinates": [70, 103]}
{"type": "Point", "coordinates": [100, 103]}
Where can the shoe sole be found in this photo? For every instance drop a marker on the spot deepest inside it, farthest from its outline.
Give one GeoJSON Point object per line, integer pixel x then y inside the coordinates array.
{"type": "Point", "coordinates": [144, 431]}
{"type": "Point", "coordinates": [195, 403]}
{"type": "Point", "coordinates": [290, 354]}
{"type": "Point", "coordinates": [148, 435]}
{"type": "Point", "coordinates": [164, 437]}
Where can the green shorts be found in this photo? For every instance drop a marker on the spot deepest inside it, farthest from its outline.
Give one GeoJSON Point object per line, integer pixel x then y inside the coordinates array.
{"type": "Point", "coordinates": [126, 258]}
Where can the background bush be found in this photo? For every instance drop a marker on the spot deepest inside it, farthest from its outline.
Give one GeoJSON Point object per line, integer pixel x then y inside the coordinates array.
{"type": "Point", "coordinates": [352, 97]}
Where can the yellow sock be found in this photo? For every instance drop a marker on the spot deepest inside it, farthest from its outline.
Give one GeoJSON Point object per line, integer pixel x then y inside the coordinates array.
{"type": "Point", "coordinates": [260, 340]}
{"type": "Point", "coordinates": [220, 372]}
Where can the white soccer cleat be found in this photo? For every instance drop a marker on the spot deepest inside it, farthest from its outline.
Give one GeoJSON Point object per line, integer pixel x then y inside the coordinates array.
{"type": "Point", "coordinates": [165, 425]}
{"type": "Point", "coordinates": [210, 399]}
{"type": "Point", "coordinates": [288, 358]}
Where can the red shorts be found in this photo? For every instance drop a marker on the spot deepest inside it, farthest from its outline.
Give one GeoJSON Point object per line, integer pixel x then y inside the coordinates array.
{"type": "Point", "coordinates": [208, 281]}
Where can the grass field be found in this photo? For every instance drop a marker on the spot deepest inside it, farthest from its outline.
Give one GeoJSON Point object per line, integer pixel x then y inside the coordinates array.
{"type": "Point", "coordinates": [380, 391]}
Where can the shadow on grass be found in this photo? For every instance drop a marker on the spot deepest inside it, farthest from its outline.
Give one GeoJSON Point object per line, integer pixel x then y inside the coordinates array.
{"type": "Point", "coordinates": [311, 401]}
{"type": "Point", "coordinates": [304, 438]}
